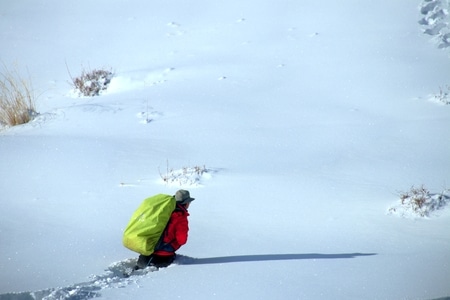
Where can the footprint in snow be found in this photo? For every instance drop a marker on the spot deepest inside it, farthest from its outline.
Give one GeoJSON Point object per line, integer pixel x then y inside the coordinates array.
{"type": "Point", "coordinates": [148, 116]}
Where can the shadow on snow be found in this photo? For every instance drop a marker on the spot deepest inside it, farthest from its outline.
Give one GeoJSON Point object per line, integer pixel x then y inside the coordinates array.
{"type": "Point", "coordinates": [185, 260]}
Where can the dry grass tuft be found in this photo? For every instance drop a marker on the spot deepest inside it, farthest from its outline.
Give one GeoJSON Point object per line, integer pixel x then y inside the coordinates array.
{"type": "Point", "coordinates": [17, 102]}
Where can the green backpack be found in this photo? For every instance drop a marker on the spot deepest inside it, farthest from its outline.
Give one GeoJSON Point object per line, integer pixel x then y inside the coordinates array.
{"type": "Point", "coordinates": [148, 223]}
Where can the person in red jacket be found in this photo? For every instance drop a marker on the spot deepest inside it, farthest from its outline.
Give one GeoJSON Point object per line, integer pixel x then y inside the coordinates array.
{"type": "Point", "coordinates": [174, 236]}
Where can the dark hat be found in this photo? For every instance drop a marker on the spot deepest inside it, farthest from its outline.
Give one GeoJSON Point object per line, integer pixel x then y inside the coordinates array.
{"type": "Point", "coordinates": [183, 197]}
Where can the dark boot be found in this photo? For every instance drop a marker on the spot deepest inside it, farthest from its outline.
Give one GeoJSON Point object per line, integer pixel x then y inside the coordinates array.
{"type": "Point", "coordinates": [162, 261]}
{"type": "Point", "coordinates": [143, 262]}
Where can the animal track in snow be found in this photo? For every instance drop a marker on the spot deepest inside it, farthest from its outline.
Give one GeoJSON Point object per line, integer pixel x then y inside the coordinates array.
{"type": "Point", "coordinates": [176, 31]}
{"type": "Point", "coordinates": [138, 80]}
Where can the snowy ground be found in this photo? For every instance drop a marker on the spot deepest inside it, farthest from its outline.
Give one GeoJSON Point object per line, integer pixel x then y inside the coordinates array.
{"type": "Point", "coordinates": [310, 117]}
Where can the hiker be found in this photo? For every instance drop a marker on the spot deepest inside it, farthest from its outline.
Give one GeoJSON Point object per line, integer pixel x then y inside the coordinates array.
{"type": "Point", "coordinates": [174, 236]}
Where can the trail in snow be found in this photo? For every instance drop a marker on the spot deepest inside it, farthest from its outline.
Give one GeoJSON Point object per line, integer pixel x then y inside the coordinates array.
{"type": "Point", "coordinates": [113, 277]}
{"type": "Point", "coordinates": [120, 274]}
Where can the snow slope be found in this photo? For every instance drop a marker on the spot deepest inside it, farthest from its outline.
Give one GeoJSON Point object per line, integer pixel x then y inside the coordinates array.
{"type": "Point", "coordinates": [310, 116]}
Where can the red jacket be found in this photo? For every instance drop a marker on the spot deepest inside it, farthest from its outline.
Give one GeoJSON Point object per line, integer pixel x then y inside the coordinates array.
{"type": "Point", "coordinates": [176, 233]}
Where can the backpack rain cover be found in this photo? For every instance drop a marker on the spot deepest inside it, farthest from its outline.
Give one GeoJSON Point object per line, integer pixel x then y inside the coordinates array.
{"type": "Point", "coordinates": [148, 223]}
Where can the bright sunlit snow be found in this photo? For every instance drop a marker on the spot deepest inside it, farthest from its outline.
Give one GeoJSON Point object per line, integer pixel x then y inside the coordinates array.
{"type": "Point", "coordinates": [306, 119]}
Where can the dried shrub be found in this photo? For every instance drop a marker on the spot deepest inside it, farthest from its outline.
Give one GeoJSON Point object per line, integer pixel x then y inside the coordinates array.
{"type": "Point", "coordinates": [186, 176]}
{"type": "Point", "coordinates": [92, 83]}
{"type": "Point", "coordinates": [420, 202]}
{"type": "Point", "coordinates": [443, 96]}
